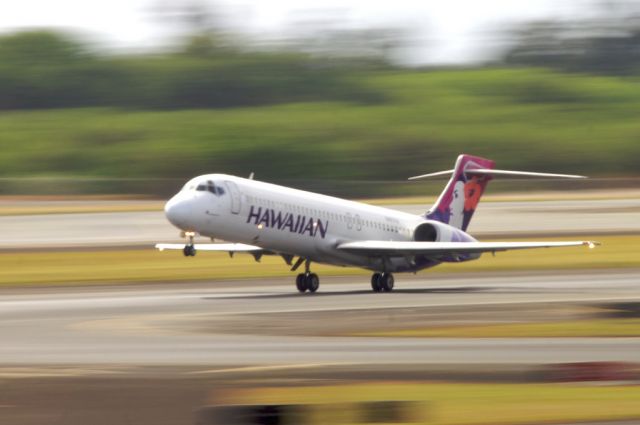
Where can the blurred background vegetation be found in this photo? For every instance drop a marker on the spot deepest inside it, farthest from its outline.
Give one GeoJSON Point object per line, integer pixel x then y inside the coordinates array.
{"type": "Point", "coordinates": [562, 97]}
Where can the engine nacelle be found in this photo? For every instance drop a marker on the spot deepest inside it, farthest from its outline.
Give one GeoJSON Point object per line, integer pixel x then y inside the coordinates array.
{"type": "Point", "coordinates": [434, 231]}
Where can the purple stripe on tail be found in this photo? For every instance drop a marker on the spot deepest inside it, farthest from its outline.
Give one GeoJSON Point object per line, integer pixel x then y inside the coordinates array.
{"type": "Point", "coordinates": [459, 200]}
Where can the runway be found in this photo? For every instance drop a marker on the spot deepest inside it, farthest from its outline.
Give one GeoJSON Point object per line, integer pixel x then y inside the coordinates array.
{"type": "Point", "coordinates": [232, 324]}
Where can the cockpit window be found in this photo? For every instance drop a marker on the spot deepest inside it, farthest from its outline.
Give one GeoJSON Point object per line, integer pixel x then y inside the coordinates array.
{"type": "Point", "coordinates": [205, 186]}
{"type": "Point", "coordinates": [209, 186]}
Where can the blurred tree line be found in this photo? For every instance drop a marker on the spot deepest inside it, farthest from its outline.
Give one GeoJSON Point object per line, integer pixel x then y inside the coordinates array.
{"type": "Point", "coordinates": [46, 69]}
{"type": "Point", "coordinates": [329, 106]}
{"type": "Point", "coordinates": [608, 43]}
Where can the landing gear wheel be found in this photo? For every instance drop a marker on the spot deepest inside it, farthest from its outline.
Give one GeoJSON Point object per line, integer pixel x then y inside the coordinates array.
{"type": "Point", "coordinates": [189, 251]}
{"type": "Point", "coordinates": [301, 283]}
{"type": "Point", "coordinates": [313, 282]}
{"type": "Point", "coordinates": [376, 279]}
{"type": "Point", "coordinates": [386, 282]}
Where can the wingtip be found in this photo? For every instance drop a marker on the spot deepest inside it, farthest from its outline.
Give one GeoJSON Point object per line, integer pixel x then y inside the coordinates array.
{"type": "Point", "coordinates": [591, 244]}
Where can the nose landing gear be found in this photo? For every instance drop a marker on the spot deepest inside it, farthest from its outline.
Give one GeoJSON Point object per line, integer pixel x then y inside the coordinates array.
{"type": "Point", "coordinates": [189, 249]}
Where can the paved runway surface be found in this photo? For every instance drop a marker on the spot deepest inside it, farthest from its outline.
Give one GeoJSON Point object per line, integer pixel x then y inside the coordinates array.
{"type": "Point", "coordinates": [183, 324]}
{"type": "Point", "coordinates": [493, 218]}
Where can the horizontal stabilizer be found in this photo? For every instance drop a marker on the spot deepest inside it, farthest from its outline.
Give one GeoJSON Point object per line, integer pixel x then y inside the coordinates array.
{"type": "Point", "coordinates": [492, 172]}
{"type": "Point", "coordinates": [221, 247]}
{"type": "Point", "coordinates": [393, 248]}
{"type": "Point", "coordinates": [436, 174]}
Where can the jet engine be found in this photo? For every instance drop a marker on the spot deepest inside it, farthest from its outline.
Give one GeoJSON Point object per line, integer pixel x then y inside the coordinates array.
{"type": "Point", "coordinates": [434, 231]}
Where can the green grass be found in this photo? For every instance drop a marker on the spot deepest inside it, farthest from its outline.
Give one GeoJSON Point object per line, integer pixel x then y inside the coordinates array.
{"type": "Point", "coordinates": [563, 329]}
{"type": "Point", "coordinates": [615, 252]}
{"type": "Point", "coordinates": [578, 124]}
{"type": "Point", "coordinates": [526, 196]}
{"type": "Point", "coordinates": [86, 267]}
{"type": "Point", "coordinates": [45, 209]}
{"type": "Point", "coordinates": [113, 266]}
{"type": "Point", "coordinates": [462, 404]}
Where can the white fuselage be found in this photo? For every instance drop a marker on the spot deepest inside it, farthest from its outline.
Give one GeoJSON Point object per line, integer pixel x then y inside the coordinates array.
{"type": "Point", "coordinates": [267, 219]}
{"type": "Point", "coordinates": [287, 221]}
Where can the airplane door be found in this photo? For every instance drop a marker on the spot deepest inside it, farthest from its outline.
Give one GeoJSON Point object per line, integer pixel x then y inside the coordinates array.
{"type": "Point", "coordinates": [235, 196]}
{"type": "Point", "coordinates": [358, 222]}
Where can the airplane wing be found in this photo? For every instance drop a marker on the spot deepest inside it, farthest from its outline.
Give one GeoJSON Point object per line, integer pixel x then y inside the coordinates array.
{"type": "Point", "coordinates": [394, 248]}
{"type": "Point", "coordinates": [223, 247]}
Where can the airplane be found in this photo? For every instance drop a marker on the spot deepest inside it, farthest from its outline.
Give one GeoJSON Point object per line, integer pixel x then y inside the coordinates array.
{"type": "Point", "coordinates": [260, 218]}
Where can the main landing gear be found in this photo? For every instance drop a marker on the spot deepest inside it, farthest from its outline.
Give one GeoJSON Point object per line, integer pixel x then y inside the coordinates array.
{"type": "Point", "coordinates": [382, 282]}
{"type": "Point", "coordinates": [306, 281]}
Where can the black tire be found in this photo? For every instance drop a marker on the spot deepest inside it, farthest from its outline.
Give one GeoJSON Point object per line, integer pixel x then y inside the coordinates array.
{"type": "Point", "coordinates": [301, 283]}
{"type": "Point", "coordinates": [313, 282]}
{"type": "Point", "coordinates": [375, 282]}
{"type": "Point", "coordinates": [189, 251]}
{"type": "Point", "coordinates": [386, 282]}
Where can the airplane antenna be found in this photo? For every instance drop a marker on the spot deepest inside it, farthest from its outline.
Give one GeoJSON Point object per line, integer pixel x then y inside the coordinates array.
{"type": "Point", "coordinates": [251, 176]}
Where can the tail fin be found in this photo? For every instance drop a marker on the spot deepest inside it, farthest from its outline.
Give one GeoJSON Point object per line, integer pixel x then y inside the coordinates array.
{"type": "Point", "coordinates": [469, 178]}
{"type": "Point", "coordinates": [460, 197]}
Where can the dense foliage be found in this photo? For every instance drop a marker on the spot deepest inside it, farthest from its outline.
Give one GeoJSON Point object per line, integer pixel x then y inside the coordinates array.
{"type": "Point", "coordinates": [528, 119]}
{"type": "Point", "coordinates": [50, 70]}
{"type": "Point", "coordinates": [117, 121]}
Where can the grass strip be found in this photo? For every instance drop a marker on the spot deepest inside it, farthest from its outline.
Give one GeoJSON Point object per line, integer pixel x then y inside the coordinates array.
{"type": "Point", "coordinates": [94, 267]}
{"type": "Point", "coordinates": [469, 404]}
{"type": "Point", "coordinates": [109, 266]}
{"type": "Point", "coordinates": [536, 196]}
{"type": "Point", "coordinates": [562, 329]}
{"type": "Point", "coordinates": [81, 209]}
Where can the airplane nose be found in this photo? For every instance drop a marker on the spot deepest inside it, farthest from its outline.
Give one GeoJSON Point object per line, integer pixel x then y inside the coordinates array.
{"type": "Point", "coordinates": [177, 212]}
